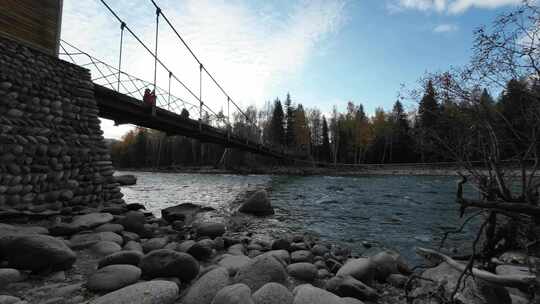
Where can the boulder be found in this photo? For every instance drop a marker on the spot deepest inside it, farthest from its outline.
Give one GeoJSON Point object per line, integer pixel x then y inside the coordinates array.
{"type": "Point", "coordinates": [81, 222]}
{"type": "Point", "coordinates": [130, 236]}
{"type": "Point", "coordinates": [387, 263]}
{"type": "Point", "coordinates": [273, 293]}
{"type": "Point", "coordinates": [207, 286]}
{"type": "Point", "coordinates": [323, 273]}
{"type": "Point", "coordinates": [113, 277]}
{"type": "Point", "coordinates": [261, 270]}
{"type": "Point", "coordinates": [348, 300]}
{"type": "Point", "coordinates": [320, 250]}
{"type": "Point", "coordinates": [281, 255]}
{"type": "Point", "coordinates": [443, 278]}
{"type": "Point", "coordinates": [133, 221]}
{"type": "Point", "coordinates": [301, 256]}
{"type": "Point", "coordinates": [237, 249]}
{"type": "Point", "coordinates": [38, 252]}
{"type": "Point", "coordinates": [130, 257]}
{"type": "Point", "coordinates": [6, 229]}
{"type": "Point", "coordinates": [5, 299]}
{"type": "Point", "coordinates": [169, 263]}
{"type": "Point", "coordinates": [350, 287]}
{"type": "Point", "coordinates": [233, 262]}
{"type": "Point", "coordinates": [201, 250]}
{"type": "Point", "coordinates": [85, 240]}
{"type": "Point", "coordinates": [116, 228]}
{"type": "Point", "coordinates": [152, 292]}
{"type": "Point", "coordinates": [308, 294]}
{"type": "Point", "coordinates": [258, 204]}
{"type": "Point", "coordinates": [184, 212]}
{"type": "Point", "coordinates": [135, 207]}
{"type": "Point", "coordinates": [126, 180]}
{"type": "Point", "coordinates": [281, 244]}
{"type": "Point", "coordinates": [185, 245]}
{"type": "Point", "coordinates": [211, 230]}
{"type": "Point", "coordinates": [132, 245]}
{"type": "Point", "coordinates": [154, 244]}
{"type": "Point", "coordinates": [104, 248]}
{"type": "Point", "coordinates": [303, 271]}
{"type": "Point", "coordinates": [361, 269]}
{"type": "Point", "coordinates": [234, 294]}
{"type": "Point", "coordinates": [8, 276]}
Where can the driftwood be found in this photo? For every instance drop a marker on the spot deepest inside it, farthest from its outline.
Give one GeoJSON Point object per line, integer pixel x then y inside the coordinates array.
{"type": "Point", "coordinates": [520, 281]}
{"type": "Point", "coordinates": [504, 206]}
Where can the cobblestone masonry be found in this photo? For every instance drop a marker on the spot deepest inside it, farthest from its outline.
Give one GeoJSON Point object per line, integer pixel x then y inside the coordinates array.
{"type": "Point", "coordinates": [52, 153]}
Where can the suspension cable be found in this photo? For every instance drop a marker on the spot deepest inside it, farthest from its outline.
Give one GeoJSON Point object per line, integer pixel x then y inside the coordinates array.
{"type": "Point", "coordinates": [200, 63]}
{"type": "Point", "coordinates": [158, 11]}
{"type": "Point", "coordinates": [122, 26]}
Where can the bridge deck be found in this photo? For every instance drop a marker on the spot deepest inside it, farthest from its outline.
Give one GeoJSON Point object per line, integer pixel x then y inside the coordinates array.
{"type": "Point", "coordinates": [125, 109]}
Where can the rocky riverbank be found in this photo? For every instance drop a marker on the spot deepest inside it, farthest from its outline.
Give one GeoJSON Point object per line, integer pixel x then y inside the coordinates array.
{"type": "Point", "coordinates": [308, 170]}
{"type": "Point", "coordinates": [126, 255]}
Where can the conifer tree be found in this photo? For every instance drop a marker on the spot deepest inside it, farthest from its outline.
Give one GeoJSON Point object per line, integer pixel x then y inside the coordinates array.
{"type": "Point", "coordinates": [277, 132]}
{"type": "Point", "coordinates": [325, 153]}
{"type": "Point", "coordinates": [289, 131]}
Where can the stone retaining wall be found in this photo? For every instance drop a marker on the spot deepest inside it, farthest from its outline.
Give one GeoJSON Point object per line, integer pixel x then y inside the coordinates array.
{"type": "Point", "coordinates": [52, 153]}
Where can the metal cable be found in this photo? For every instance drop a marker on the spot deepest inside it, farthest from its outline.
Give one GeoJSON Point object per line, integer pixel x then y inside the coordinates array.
{"type": "Point", "coordinates": [199, 62]}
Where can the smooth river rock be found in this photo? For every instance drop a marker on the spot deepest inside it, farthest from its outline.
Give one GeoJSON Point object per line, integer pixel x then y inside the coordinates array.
{"type": "Point", "coordinates": [82, 222]}
{"type": "Point", "coordinates": [261, 270]}
{"type": "Point", "coordinates": [104, 248]}
{"type": "Point", "coordinates": [129, 257]}
{"type": "Point", "coordinates": [38, 252]}
{"type": "Point", "coordinates": [85, 240]}
{"type": "Point", "coordinates": [206, 287]}
{"type": "Point", "coordinates": [126, 180]}
{"type": "Point", "coordinates": [113, 277]}
{"type": "Point", "coordinates": [388, 262]}
{"type": "Point", "coordinates": [350, 287]}
{"type": "Point", "coordinates": [9, 275]}
{"type": "Point", "coordinates": [234, 294]}
{"type": "Point", "coordinates": [169, 263]}
{"type": "Point", "coordinates": [273, 293]}
{"type": "Point", "coordinates": [303, 271]}
{"type": "Point", "coordinates": [152, 292]}
{"type": "Point", "coordinates": [361, 269]}
{"type": "Point", "coordinates": [258, 204]}
{"type": "Point", "coordinates": [308, 294]}
{"type": "Point", "coordinates": [211, 230]}
{"type": "Point", "coordinates": [233, 262]}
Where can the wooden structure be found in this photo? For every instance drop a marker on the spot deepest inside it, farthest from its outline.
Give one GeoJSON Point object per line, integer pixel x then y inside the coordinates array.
{"type": "Point", "coordinates": [36, 23]}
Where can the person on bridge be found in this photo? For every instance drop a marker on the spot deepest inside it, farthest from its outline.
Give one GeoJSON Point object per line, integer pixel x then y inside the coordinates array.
{"type": "Point", "coordinates": [149, 99]}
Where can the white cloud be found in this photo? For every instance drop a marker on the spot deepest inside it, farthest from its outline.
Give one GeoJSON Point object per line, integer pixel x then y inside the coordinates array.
{"type": "Point", "coordinates": [449, 6]}
{"type": "Point", "coordinates": [251, 50]}
{"type": "Point", "coordinates": [445, 28]}
{"type": "Point", "coordinates": [460, 6]}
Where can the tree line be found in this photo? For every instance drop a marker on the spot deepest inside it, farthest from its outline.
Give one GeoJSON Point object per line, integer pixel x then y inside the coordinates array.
{"type": "Point", "coordinates": [423, 134]}
{"type": "Point", "coordinates": [446, 123]}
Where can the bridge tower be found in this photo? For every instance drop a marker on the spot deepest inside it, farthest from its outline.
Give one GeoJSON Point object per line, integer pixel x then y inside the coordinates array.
{"type": "Point", "coordinates": [53, 158]}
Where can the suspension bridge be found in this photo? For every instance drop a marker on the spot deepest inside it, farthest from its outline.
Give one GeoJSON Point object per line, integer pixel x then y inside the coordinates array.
{"type": "Point", "coordinates": [119, 95]}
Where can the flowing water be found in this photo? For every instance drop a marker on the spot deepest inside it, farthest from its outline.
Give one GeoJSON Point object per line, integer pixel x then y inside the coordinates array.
{"type": "Point", "coordinates": [396, 212]}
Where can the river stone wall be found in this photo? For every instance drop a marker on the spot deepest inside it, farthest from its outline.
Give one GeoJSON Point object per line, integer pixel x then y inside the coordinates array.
{"type": "Point", "coordinates": [52, 153]}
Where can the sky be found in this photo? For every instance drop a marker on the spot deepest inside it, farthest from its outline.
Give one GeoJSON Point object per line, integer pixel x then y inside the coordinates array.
{"type": "Point", "coordinates": [323, 52]}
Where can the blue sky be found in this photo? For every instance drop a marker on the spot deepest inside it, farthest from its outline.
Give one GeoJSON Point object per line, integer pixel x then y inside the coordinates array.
{"type": "Point", "coordinates": [323, 52]}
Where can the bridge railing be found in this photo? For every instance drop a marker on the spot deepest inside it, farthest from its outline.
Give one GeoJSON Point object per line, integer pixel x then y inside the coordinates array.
{"type": "Point", "coordinates": [110, 77]}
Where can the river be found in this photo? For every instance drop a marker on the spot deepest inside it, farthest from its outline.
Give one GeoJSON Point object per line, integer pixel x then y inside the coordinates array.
{"type": "Point", "coordinates": [396, 212]}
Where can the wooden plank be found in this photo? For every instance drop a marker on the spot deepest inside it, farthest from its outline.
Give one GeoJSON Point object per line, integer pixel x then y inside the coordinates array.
{"type": "Point", "coordinates": [34, 22]}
